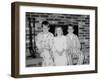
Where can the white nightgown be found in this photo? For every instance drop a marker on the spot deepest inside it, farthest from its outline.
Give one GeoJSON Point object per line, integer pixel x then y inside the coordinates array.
{"type": "Point", "coordinates": [59, 45]}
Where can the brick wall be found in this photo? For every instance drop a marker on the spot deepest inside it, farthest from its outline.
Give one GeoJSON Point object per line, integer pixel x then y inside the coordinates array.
{"type": "Point", "coordinates": [80, 21]}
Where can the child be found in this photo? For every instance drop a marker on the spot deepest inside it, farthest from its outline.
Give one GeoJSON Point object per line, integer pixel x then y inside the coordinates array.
{"type": "Point", "coordinates": [73, 47]}
{"type": "Point", "coordinates": [44, 44]}
{"type": "Point", "coordinates": [59, 48]}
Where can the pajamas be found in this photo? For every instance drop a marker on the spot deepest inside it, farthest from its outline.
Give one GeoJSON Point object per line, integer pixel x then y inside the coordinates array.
{"type": "Point", "coordinates": [44, 44]}
{"type": "Point", "coordinates": [73, 50]}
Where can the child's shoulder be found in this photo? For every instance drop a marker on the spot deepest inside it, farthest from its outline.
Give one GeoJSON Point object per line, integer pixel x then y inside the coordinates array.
{"type": "Point", "coordinates": [50, 33]}
{"type": "Point", "coordinates": [75, 36]}
{"type": "Point", "coordinates": [40, 33]}
{"type": "Point", "coordinates": [64, 37]}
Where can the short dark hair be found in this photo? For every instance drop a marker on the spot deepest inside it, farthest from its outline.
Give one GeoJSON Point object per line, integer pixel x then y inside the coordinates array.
{"type": "Point", "coordinates": [45, 23]}
{"type": "Point", "coordinates": [70, 25]}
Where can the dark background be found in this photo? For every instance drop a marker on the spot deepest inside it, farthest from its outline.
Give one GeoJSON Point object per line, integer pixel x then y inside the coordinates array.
{"type": "Point", "coordinates": [64, 27]}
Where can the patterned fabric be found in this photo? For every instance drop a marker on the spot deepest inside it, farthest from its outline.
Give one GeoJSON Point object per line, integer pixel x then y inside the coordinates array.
{"type": "Point", "coordinates": [59, 51]}
{"type": "Point", "coordinates": [74, 55]}
{"type": "Point", "coordinates": [44, 43]}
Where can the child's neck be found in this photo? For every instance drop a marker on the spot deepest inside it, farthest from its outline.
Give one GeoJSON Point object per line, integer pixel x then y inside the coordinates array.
{"type": "Point", "coordinates": [59, 35]}
{"type": "Point", "coordinates": [45, 32]}
{"type": "Point", "coordinates": [70, 33]}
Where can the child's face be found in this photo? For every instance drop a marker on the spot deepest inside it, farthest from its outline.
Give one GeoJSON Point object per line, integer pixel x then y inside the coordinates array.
{"type": "Point", "coordinates": [70, 29]}
{"type": "Point", "coordinates": [45, 28]}
{"type": "Point", "coordinates": [59, 31]}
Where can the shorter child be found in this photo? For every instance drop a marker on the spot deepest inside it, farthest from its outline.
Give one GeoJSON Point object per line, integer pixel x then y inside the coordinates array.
{"type": "Point", "coordinates": [59, 48]}
{"type": "Point", "coordinates": [75, 56]}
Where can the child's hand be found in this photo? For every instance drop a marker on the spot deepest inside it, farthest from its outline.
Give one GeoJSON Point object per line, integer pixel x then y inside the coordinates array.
{"type": "Point", "coordinates": [59, 52]}
{"type": "Point", "coordinates": [68, 52]}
